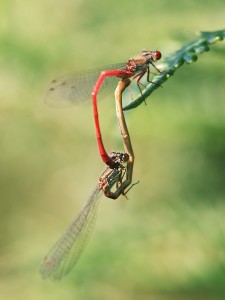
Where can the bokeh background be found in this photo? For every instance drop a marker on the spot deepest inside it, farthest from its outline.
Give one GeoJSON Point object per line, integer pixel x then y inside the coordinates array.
{"type": "Point", "coordinates": [168, 240]}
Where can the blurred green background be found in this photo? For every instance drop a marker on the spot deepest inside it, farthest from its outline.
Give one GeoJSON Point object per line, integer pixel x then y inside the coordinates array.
{"type": "Point", "coordinates": [168, 240]}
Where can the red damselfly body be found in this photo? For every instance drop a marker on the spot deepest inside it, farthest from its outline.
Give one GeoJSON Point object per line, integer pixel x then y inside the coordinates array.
{"type": "Point", "coordinates": [75, 88]}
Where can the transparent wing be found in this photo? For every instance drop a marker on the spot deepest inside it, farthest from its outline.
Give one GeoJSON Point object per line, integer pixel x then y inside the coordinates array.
{"type": "Point", "coordinates": [66, 252]}
{"type": "Point", "coordinates": [76, 88]}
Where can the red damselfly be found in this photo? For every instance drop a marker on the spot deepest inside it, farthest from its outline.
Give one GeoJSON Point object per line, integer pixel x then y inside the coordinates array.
{"type": "Point", "coordinates": [75, 88]}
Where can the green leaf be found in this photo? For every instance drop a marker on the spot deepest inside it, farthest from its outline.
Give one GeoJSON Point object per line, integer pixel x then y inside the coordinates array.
{"type": "Point", "coordinates": [188, 53]}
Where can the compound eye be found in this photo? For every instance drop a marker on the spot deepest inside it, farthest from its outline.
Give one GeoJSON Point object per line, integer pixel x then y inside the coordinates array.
{"type": "Point", "coordinates": [157, 55]}
{"type": "Point", "coordinates": [125, 157]}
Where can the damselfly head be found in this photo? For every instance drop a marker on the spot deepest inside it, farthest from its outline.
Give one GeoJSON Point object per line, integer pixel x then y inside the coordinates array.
{"type": "Point", "coordinates": [153, 55]}
{"type": "Point", "coordinates": [119, 156]}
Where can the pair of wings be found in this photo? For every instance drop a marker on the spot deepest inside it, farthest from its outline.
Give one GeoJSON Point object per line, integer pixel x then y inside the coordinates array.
{"type": "Point", "coordinates": [76, 88]}
{"type": "Point", "coordinates": [65, 253]}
